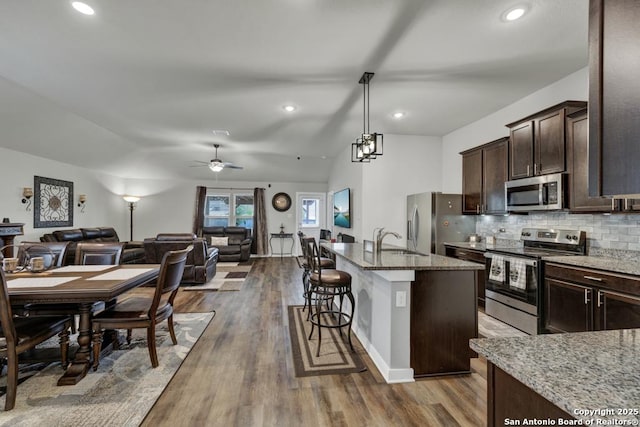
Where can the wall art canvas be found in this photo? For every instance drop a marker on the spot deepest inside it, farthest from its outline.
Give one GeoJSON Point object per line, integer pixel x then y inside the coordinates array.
{"type": "Point", "coordinates": [52, 203]}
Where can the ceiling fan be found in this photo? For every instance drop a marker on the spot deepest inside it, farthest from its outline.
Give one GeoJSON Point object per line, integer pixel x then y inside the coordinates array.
{"type": "Point", "coordinates": [216, 165]}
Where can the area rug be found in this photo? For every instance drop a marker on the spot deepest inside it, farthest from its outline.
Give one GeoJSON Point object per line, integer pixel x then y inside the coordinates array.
{"type": "Point", "coordinates": [119, 393]}
{"type": "Point", "coordinates": [229, 277]}
{"type": "Point", "coordinates": [336, 356]}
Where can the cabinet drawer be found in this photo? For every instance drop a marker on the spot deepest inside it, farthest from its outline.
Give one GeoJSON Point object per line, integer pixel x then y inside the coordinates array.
{"type": "Point", "coordinates": [469, 255]}
{"type": "Point", "coordinates": [596, 278]}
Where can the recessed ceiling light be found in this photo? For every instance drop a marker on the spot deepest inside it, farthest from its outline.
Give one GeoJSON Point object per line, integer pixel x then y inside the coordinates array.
{"type": "Point", "coordinates": [82, 8]}
{"type": "Point", "coordinates": [515, 13]}
{"type": "Point", "coordinates": [219, 132]}
{"type": "Point", "coordinates": [398, 115]}
{"type": "Point", "coordinates": [289, 108]}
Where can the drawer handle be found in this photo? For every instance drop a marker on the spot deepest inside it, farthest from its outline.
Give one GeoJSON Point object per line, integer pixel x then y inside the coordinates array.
{"type": "Point", "coordinates": [597, 279]}
{"type": "Point", "coordinates": [462, 253]}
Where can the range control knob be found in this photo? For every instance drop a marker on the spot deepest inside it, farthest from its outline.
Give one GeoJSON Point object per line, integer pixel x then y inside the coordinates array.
{"type": "Point", "coordinates": [574, 237]}
{"type": "Point", "coordinates": [568, 236]}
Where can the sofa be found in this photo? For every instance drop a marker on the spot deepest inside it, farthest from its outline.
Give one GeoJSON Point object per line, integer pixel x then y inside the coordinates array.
{"type": "Point", "coordinates": [238, 242]}
{"type": "Point", "coordinates": [201, 261]}
{"type": "Point", "coordinates": [133, 252]}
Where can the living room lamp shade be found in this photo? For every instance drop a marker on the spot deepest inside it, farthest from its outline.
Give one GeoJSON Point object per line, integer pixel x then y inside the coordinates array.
{"type": "Point", "coordinates": [368, 145]}
{"type": "Point", "coordinates": [131, 199]}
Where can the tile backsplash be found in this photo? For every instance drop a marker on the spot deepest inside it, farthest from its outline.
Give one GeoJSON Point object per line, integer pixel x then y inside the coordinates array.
{"type": "Point", "coordinates": [605, 233]}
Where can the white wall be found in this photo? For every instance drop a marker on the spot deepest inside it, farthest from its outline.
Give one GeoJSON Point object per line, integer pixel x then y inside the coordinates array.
{"type": "Point", "coordinates": [104, 206]}
{"type": "Point", "coordinates": [410, 164]}
{"type": "Point", "coordinates": [491, 127]}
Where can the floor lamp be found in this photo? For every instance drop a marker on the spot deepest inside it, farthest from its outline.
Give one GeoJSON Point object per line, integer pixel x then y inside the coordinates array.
{"type": "Point", "coordinates": [132, 205]}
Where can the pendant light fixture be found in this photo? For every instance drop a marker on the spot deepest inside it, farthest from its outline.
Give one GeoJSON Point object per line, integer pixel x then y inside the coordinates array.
{"type": "Point", "coordinates": [368, 145]}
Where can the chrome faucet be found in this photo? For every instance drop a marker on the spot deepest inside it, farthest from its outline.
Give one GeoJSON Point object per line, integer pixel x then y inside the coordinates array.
{"type": "Point", "coordinates": [380, 237]}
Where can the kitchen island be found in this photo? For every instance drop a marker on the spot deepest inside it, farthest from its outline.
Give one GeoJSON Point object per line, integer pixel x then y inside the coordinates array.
{"type": "Point", "coordinates": [414, 314]}
{"type": "Point", "coordinates": [591, 377]}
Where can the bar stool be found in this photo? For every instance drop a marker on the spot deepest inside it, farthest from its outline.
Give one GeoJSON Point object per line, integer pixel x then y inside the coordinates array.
{"type": "Point", "coordinates": [325, 286]}
{"type": "Point", "coordinates": [303, 263]}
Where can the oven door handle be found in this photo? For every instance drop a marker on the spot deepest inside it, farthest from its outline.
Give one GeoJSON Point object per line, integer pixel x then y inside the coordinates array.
{"type": "Point", "coordinates": [526, 261]}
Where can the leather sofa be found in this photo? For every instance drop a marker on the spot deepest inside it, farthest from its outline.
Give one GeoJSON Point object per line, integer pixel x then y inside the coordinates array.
{"type": "Point", "coordinates": [201, 261]}
{"type": "Point", "coordinates": [238, 247]}
{"type": "Point", "coordinates": [133, 252]}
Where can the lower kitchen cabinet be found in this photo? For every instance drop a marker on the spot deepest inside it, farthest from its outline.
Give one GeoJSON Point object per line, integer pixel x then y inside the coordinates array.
{"type": "Point", "coordinates": [580, 299]}
{"type": "Point", "coordinates": [471, 255]}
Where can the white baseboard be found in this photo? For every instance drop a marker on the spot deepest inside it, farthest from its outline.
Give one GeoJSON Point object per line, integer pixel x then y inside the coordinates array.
{"type": "Point", "coordinates": [391, 376]}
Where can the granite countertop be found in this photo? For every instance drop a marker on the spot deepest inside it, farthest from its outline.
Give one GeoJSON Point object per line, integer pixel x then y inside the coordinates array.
{"type": "Point", "coordinates": [615, 265]}
{"type": "Point", "coordinates": [478, 246]}
{"type": "Point", "coordinates": [574, 371]}
{"type": "Point", "coordinates": [387, 260]}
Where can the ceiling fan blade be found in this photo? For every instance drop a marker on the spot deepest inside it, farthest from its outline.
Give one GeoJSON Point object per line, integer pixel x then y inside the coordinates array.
{"type": "Point", "coordinates": [232, 166]}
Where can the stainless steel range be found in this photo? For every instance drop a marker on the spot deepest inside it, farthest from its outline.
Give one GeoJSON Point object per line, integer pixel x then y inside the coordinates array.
{"type": "Point", "coordinates": [514, 275]}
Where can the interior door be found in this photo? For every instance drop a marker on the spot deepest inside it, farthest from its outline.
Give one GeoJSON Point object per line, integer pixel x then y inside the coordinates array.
{"type": "Point", "coordinates": [310, 215]}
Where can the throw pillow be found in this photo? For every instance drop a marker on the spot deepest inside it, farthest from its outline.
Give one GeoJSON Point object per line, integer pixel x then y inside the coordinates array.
{"type": "Point", "coordinates": [219, 241]}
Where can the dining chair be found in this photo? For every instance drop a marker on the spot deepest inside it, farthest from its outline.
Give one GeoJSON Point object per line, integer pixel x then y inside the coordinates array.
{"type": "Point", "coordinates": [53, 253]}
{"type": "Point", "coordinates": [19, 334]}
{"type": "Point", "coordinates": [99, 253]}
{"type": "Point", "coordinates": [145, 312]}
{"type": "Point", "coordinates": [303, 262]}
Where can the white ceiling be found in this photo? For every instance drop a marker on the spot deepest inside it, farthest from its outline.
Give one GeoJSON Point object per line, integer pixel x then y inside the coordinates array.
{"type": "Point", "coordinates": [137, 89]}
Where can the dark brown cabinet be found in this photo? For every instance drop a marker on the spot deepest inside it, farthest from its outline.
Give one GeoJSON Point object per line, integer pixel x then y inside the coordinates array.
{"type": "Point", "coordinates": [472, 255]}
{"type": "Point", "coordinates": [537, 142]}
{"type": "Point", "coordinates": [614, 96]}
{"type": "Point", "coordinates": [484, 172]}
{"type": "Point", "coordinates": [577, 159]}
{"type": "Point", "coordinates": [580, 299]}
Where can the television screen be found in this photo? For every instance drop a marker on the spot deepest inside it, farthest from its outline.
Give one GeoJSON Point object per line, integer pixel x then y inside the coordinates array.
{"type": "Point", "coordinates": [342, 208]}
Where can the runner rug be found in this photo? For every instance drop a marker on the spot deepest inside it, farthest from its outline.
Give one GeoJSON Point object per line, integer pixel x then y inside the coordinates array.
{"type": "Point", "coordinates": [336, 356]}
{"type": "Point", "coordinates": [119, 393]}
{"type": "Point", "coordinates": [229, 277]}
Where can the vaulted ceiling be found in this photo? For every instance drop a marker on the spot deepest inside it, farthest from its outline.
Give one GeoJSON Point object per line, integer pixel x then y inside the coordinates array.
{"type": "Point", "coordinates": [137, 89]}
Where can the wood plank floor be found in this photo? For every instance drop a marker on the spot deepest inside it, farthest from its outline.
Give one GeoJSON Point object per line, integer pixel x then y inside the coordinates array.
{"type": "Point", "coordinates": [240, 372]}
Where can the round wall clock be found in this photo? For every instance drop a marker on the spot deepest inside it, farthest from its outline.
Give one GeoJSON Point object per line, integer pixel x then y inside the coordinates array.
{"type": "Point", "coordinates": [281, 202]}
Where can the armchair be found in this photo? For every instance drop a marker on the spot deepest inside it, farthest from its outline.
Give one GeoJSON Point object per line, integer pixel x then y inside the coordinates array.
{"type": "Point", "coordinates": [201, 261]}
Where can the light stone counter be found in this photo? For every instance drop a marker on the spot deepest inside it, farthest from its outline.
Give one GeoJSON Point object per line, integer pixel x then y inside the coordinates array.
{"type": "Point", "coordinates": [615, 265]}
{"type": "Point", "coordinates": [388, 260]}
{"type": "Point", "coordinates": [574, 371]}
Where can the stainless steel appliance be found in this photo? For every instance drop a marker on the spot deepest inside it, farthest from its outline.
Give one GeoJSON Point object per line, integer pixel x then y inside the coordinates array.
{"type": "Point", "coordinates": [545, 192]}
{"type": "Point", "coordinates": [518, 302]}
{"type": "Point", "coordinates": [435, 218]}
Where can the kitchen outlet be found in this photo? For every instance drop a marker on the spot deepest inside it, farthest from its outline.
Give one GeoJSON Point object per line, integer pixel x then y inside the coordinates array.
{"type": "Point", "coordinates": [401, 298]}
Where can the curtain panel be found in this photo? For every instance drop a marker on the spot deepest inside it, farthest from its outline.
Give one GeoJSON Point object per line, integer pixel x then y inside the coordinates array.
{"type": "Point", "coordinates": [198, 217]}
{"type": "Point", "coordinates": [260, 244]}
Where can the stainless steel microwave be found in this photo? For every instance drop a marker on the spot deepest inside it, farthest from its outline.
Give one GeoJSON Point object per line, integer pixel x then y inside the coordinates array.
{"type": "Point", "coordinates": [539, 193]}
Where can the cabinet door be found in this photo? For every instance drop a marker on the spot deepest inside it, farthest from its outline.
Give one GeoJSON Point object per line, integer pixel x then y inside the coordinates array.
{"type": "Point", "coordinates": [471, 256]}
{"type": "Point", "coordinates": [494, 172]}
{"type": "Point", "coordinates": [549, 143]}
{"type": "Point", "coordinates": [472, 182]}
{"type": "Point", "coordinates": [617, 311]}
{"type": "Point", "coordinates": [577, 160]}
{"type": "Point", "coordinates": [521, 151]}
{"type": "Point", "coordinates": [614, 94]}
{"type": "Point", "coordinates": [567, 307]}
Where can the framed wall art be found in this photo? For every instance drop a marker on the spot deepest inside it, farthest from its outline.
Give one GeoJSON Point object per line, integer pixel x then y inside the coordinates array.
{"type": "Point", "coordinates": [52, 204]}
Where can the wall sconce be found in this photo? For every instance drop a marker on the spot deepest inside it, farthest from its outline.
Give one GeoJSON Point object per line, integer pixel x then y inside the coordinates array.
{"type": "Point", "coordinates": [27, 194]}
{"type": "Point", "coordinates": [82, 199]}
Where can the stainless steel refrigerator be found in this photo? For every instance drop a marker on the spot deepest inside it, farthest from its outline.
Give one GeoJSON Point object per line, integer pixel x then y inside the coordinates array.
{"type": "Point", "coordinates": [435, 218]}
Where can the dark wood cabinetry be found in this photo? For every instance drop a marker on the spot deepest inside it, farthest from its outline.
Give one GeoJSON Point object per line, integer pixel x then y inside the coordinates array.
{"type": "Point", "coordinates": [484, 171]}
{"type": "Point", "coordinates": [472, 255]}
{"type": "Point", "coordinates": [509, 399]}
{"type": "Point", "coordinates": [580, 299]}
{"type": "Point", "coordinates": [537, 142]}
{"type": "Point", "coordinates": [577, 160]}
{"type": "Point", "coordinates": [614, 96]}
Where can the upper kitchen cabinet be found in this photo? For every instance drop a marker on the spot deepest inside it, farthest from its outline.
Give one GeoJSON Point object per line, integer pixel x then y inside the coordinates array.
{"type": "Point", "coordinates": [614, 97]}
{"type": "Point", "coordinates": [484, 172]}
{"type": "Point", "coordinates": [577, 159]}
{"type": "Point", "coordinates": [537, 142]}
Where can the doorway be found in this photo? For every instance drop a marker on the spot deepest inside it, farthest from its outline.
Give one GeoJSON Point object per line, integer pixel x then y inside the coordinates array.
{"type": "Point", "coordinates": [310, 215]}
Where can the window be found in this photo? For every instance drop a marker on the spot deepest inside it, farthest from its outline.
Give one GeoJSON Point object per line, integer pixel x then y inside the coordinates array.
{"type": "Point", "coordinates": [310, 212]}
{"type": "Point", "coordinates": [222, 210]}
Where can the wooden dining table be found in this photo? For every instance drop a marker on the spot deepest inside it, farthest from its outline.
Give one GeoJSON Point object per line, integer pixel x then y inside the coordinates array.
{"type": "Point", "coordinates": [83, 285]}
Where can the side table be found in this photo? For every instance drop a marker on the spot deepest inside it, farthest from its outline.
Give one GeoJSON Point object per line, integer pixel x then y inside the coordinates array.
{"type": "Point", "coordinates": [282, 237]}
